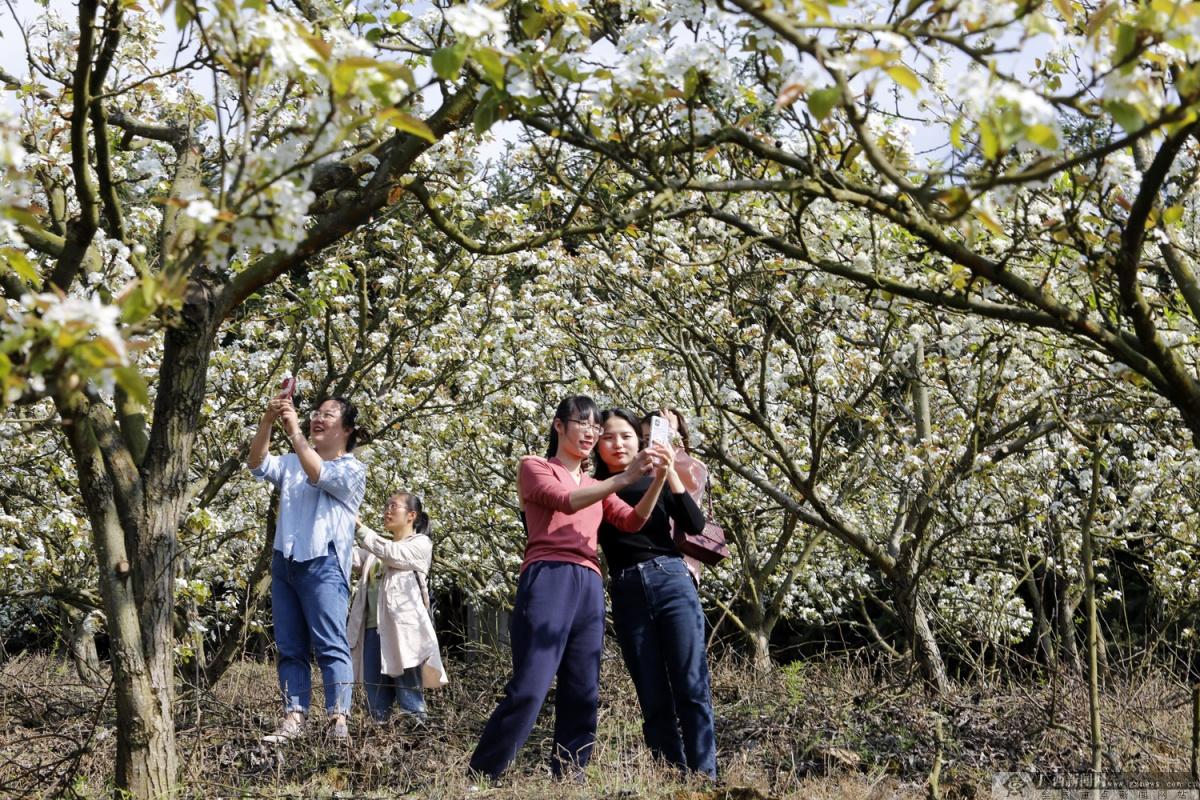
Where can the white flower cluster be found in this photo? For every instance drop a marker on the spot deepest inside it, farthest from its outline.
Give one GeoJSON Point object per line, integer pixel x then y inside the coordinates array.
{"type": "Point", "coordinates": [476, 21]}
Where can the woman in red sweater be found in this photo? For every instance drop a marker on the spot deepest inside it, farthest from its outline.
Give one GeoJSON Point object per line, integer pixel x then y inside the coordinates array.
{"type": "Point", "coordinates": [557, 626]}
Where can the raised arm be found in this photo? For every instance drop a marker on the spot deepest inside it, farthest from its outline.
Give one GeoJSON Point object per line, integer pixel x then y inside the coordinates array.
{"type": "Point", "coordinates": [310, 459]}
{"type": "Point", "coordinates": [631, 519]}
{"type": "Point", "coordinates": [540, 486]}
{"type": "Point", "coordinates": [414, 553]}
{"type": "Point", "coordinates": [261, 442]}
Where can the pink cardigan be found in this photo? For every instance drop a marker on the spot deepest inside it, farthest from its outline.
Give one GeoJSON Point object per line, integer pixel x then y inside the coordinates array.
{"type": "Point", "coordinates": [555, 532]}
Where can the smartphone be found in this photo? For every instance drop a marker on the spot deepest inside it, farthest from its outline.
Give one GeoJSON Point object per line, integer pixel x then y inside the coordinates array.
{"type": "Point", "coordinates": [660, 431]}
{"type": "Point", "coordinates": [288, 386]}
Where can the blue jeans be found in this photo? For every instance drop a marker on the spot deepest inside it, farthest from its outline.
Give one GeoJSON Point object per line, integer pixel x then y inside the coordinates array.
{"type": "Point", "coordinates": [309, 600]}
{"type": "Point", "coordinates": [384, 690]}
{"type": "Point", "coordinates": [660, 628]}
{"type": "Point", "coordinates": [557, 629]}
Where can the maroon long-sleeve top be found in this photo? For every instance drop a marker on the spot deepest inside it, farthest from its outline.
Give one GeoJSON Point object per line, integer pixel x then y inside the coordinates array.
{"type": "Point", "coordinates": [556, 533]}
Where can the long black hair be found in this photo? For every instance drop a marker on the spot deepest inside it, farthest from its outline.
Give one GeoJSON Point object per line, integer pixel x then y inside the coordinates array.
{"type": "Point", "coordinates": [413, 503]}
{"type": "Point", "coordinates": [681, 424]}
{"type": "Point", "coordinates": [578, 406]}
{"type": "Point", "coordinates": [602, 471]}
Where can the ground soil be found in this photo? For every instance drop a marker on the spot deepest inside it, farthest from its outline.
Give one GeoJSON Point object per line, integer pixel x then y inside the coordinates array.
{"type": "Point", "coordinates": [812, 730]}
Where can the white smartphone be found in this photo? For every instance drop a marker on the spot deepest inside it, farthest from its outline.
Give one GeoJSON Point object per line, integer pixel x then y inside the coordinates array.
{"type": "Point", "coordinates": [660, 431]}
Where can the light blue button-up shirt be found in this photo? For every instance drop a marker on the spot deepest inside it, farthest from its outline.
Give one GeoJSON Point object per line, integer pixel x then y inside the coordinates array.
{"type": "Point", "coordinates": [311, 515]}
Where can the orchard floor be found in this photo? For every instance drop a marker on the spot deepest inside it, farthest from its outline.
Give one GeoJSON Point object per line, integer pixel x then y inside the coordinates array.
{"type": "Point", "coordinates": [814, 730]}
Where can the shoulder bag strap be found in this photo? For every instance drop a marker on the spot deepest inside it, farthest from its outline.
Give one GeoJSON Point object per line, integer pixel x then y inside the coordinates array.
{"type": "Point", "coordinates": [424, 590]}
{"type": "Point", "coordinates": [708, 497]}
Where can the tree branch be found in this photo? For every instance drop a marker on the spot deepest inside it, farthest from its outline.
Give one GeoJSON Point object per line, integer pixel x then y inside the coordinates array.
{"type": "Point", "coordinates": [404, 150]}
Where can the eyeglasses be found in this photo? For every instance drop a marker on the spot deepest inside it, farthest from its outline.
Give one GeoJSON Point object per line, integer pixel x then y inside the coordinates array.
{"type": "Point", "coordinates": [328, 416]}
{"type": "Point", "coordinates": [396, 504]}
{"type": "Point", "coordinates": [587, 426]}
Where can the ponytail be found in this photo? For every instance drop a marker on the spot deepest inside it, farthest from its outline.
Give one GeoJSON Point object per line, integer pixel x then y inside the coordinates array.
{"type": "Point", "coordinates": [413, 503]}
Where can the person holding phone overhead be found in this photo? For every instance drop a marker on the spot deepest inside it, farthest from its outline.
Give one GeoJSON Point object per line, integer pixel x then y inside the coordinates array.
{"type": "Point", "coordinates": [321, 486]}
{"type": "Point", "coordinates": [557, 626]}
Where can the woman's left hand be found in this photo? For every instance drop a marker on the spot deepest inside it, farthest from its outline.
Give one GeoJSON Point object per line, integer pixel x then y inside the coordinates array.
{"type": "Point", "coordinates": [664, 459]}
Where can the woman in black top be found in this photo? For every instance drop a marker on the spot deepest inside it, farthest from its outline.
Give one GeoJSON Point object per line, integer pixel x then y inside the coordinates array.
{"type": "Point", "coordinates": [656, 611]}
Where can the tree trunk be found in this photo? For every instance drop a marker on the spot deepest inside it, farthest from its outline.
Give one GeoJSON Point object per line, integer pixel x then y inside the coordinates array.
{"type": "Point", "coordinates": [257, 585]}
{"type": "Point", "coordinates": [1093, 625]}
{"type": "Point", "coordinates": [145, 740]}
{"type": "Point", "coordinates": [920, 635]}
{"type": "Point", "coordinates": [1045, 635]}
{"type": "Point", "coordinates": [760, 649]}
{"type": "Point", "coordinates": [82, 641]}
{"type": "Point", "coordinates": [135, 510]}
{"type": "Point", "coordinates": [166, 479]}
{"type": "Point", "coordinates": [1066, 627]}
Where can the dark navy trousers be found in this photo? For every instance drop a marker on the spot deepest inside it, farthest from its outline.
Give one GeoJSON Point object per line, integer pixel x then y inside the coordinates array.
{"type": "Point", "coordinates": [557, 629]}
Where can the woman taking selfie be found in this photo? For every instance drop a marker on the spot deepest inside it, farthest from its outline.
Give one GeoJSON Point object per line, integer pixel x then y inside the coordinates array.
{"type": "Point", "coordinates": [393, 643]}
{"type": "Point", "coordinates": [656, 611]}
{"type": "Point", "coordinates": [557, 626]}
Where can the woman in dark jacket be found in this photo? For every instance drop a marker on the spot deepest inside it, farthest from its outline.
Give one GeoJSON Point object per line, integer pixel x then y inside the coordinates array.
{"type": "Point", "coordinates": [656, 611]}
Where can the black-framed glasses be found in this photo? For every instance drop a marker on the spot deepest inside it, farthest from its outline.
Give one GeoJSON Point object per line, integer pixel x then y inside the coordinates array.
{"type": "Point", "coordinates": [587, 426]}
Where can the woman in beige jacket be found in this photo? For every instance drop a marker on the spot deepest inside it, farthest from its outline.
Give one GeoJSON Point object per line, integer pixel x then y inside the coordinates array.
{"type": "Point", "coordinates": [393, 644]}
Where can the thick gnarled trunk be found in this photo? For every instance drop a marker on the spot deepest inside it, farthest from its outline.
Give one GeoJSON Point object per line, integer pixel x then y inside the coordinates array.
{"type": "Point", "coordinates": [135, 511]}
{"type": "Point", "coordinates": [928, 655]}
{"type": "Point", "coordinates": [82, 644]}
{"type": "Point", "coordinates": [145, 749]}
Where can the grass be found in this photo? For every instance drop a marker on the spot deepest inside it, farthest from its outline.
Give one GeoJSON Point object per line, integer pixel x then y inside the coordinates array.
{"type": "Point", "coordinates": [822, 730]}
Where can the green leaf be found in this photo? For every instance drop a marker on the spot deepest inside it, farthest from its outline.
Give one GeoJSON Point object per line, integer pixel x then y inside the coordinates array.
{"type": "Point", "coordinates": [346, 70]}
{"type": "Point", "coordinates": [18, 262]}
{"type": "Point", "coordinates": [905, 77]}
{"type": "Point", "coordinates": [1043, 136]}
{"type": "Point", "coordinates": [1126, 42]}
{"type": "Point", "coordinates": [956, 134]}
{"type": "Point", "coordinates": [407, 123]}
{"type": "Point", "coordinates": [989, 143]}
{"type": "Point", "coordinates": [185, 12]}
{"type": "Point", "coordinates": [1125, 115]}
{"type": "Point", "coordinates": [447, 61]}
{"type": "Point", "coordinates": [533, 23]}
{"type": "Point", "coordinates": [493, 65]}
{"type": "Point", "coordinates": [1065, 10]}
{"type": "Point", "coordinates": [487, 113]}
{"type": "Point", "coordinates": [1097, 20]}
{"type": "Point", "coordinates": [398, 18]}
{"type": "Point", "coordinates": [129, 379]}
{"type": "Point", "coordinates": [822, 101]}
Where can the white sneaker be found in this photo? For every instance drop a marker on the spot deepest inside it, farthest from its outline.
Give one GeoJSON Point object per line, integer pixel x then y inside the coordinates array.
{"type": "Point", "coordinates": [291, 727]}
{"type": "Point", "coordinates": [338, 730]}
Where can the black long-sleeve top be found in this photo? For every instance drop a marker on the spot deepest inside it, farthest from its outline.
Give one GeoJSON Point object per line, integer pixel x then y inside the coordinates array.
{"type": "Point", "coordinates": [623, 550]}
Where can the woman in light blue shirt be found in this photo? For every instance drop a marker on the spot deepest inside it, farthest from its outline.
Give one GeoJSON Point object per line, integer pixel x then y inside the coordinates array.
{"type": "Point", "coordinates": [321, 486]}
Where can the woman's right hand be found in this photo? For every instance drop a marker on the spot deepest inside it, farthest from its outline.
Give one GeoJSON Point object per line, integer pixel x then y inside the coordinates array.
{"type": "Point", "coordinates": [276, 406]}
{"type": "Point", "coordinates": [642, 465]}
